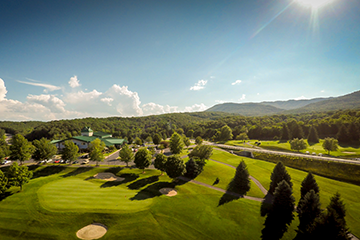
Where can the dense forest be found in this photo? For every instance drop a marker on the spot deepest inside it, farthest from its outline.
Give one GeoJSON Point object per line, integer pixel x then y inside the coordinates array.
{"type": "Point", "coordinates": [343, 125]}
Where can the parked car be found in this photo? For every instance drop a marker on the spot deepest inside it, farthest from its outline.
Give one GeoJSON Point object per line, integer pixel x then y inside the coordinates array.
{"type": "Point", "coordinates": [57, 161]}
{"type": "Point", "coordinates": [86, 161]}
{"type": "Point", "coordinates": [74, 162]}
{"type": "Point", "coordinates": [6, 162]}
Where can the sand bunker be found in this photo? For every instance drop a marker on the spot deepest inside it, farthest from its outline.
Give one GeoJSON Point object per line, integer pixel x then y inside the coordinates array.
{"type": "Point", "coordinates": [349, 152]}
{"type": "Point", "coordinates": [168, 192]}
{"type": "Point", "coordinates": [92, 231]}
{"type": "Point", "coordinates": [108, 177]}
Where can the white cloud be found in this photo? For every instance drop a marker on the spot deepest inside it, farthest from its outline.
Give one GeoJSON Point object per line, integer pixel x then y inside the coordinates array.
{"type": "Point", "coordinates": [220, 101]}
{"type": "Point", "coordinates": [322, 91]}
{"type": "Point", "coordinates": [74, 82]}
{"type": "Point", "coordinates": [153, 108]}
{"type": "Point", "coordinates": [242, 97]}
{"type": "Point", "coordinates": [107, 100]}
{"type": "Point", "coordinates": [128, 102]}
{"type": "Point", "coordinates": [49, 101]}
{"type": "Point", "coordinates": [237, 82]}
{"type": "Point", "coordinates": [300, 98]}
{"type": "Point", "coordinates": [196, 108]}
{"type": "Point", "coordinates": [48, 87]}
{"type": "Point", "coordinates": [258, 94]}
{"type": "Point", "coordinates": [199, 85]}
{"type": "Point", "coordinates": [3, 90]}
{"type": "Point", "coordinates": [81, 96]}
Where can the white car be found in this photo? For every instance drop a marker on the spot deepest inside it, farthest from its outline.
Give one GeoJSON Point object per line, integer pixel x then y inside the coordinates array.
{"type": "Point", "coordinates": [6, 162]}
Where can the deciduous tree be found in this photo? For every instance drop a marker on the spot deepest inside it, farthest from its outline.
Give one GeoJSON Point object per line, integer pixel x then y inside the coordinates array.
{"type": "Point", "coordinates": [142, 159]}
{"type": "Point", "coordinates": [203, 152]}
{"type": "Point", "coordinates": [192, 168]}
{"type": "Point", "coordinates": [225, 133]}
{"type": "Point", "coordinates": [298, 144]}
{"type": "Point", "coordinates": [157, 139]}
{"type": "Point", "coordinates": [175, 166]}
{"type": "Point", "coordinates": [176, 143]}
{"type": "Point", "coordinates": [43, 149]}
{"type": "Point", "coordinates": [20, 148]}
{"type": "Point", "coordinates": [198, 140]}
{"type": "Point", "coordinates": [160, 161]}
{"type": "Point", "coordinates": [3, 182]}
{"type": "Point", "coordinates": [126, 155]}
{"type": "Point", "coordinates": [138, 141]}
{"type": "Point", "coordinates": [186, 141]}
{"type": "Point", "coordinates": [96, 151]}
{"type": "Point", "coordinates": [279, 173]}
{"type": "Point", "coordinates": [18, 175]}
{"type": "Point", "coordinates": [330, 144]}
{"type": "Point", "coordinates": [70, 151]}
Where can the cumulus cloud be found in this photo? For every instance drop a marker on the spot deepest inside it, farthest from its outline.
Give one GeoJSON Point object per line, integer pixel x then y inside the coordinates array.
{"type": "Point", "coordinates": [199, 85]}
{"type": "Point", "coordinates": [48, 87]}
{"type": "Point", "coordinates": [128, 102]}
{"type": "Point", "coordinates": [242, 97]}
{"type": "Point", "coordinates": [237, 82]}
{"type": "Point", "coordinates": [196, 108]}
{"type": "Point", "coordinates": [3, 90]}
{"type": "Point", "coordinates": [74, 82]}
{"type": "Point", "coordinates": [107, 100]}
{"type": "Point", "coordinates": [49, 101]}
{"type": "Point", "coordinates": [300, 98]}
{"type": "Point", "coordinates": [153, 108]}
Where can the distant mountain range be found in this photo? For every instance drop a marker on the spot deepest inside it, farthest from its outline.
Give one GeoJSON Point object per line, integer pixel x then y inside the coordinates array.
{"type": "Point", "coordinates": [349, 101]}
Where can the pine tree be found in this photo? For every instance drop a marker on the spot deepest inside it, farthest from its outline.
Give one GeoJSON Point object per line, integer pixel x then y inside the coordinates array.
{"type": "Point", "coordinates": [279, 173]}
{"type": "Point", "coordinates": [281, 214]}
{"type": "Point", "coordinates": [313, 136]}
{"type": "Point", "coordinates": [192, 169]}
{"type": "Point", "coordinates": [343, 135]}
{"type": "Point", "coordinates": [332, 224]}
{"type": "Point", "coordinates": [309, 209]}
{"type": "Point", "coordinates": [309, 183]}
{"type": "Point", "coordinates": [297, 131]}
{"type": "Point", "coordinates": [286, 135]}
{"type": "Point", "coordinates": [354, 132]}
{"type": "Point", "coordinates": [241, 182]}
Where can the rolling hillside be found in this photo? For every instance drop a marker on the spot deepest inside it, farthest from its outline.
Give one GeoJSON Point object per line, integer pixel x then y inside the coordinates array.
{"type": "Point", "coordinates": [349, 101]}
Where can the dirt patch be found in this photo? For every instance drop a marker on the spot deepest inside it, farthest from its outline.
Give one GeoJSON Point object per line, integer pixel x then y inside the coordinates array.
{"type": "Point", "coordinates": [92, 231]}
{"type": "Point", "coordinates": [168, 192]}
{"type": "Point", "coordinates": [107, 176]}
{"type": "Point", "coordinates": [349, 152]}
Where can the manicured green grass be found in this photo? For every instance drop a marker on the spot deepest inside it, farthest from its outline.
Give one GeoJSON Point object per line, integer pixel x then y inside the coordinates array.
{"type": "Point", "coordinates": [343, 151]}
{"type": "Point", "coordinates": [213, 170]}
{"type": "Point", "coordinates": [261, 170]}
{"type": "Point", "coordinates": [194, 213]}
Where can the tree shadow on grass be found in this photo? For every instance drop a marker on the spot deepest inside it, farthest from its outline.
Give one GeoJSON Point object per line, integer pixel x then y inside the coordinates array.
{"type": "Point", "coordinates": [46, 171]}
{"type": "Point", "coordinates": [77, 171]}
{"type": "Point", "coordinates": [114, 170]}
{"type": "Point", "coordinates": [5, 195]}
{"type": "Point", "coordinates": [152, 190]}
{"type": "Point", "coordinates": [129, 177]}
{"type": "Point", "coordinates": [143, 182]}
{"type": "Point", "coordinates": [228, 197]}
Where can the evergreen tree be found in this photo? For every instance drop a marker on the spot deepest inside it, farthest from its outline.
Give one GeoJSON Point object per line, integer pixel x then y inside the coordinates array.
{"type": "Point", "coordinates": [313, 135]}
{"type": "Point", "coordinates": [332, 224]}
{"type": "Point", "coordinates": [279, 173]}
{"type": "Point", "coordinates": [175, 166]}
{"type": "Point", "coordinates": [297, 131]}
{"type": "Point", "coordinates": [160, 161]}
{"type": "Point", "coordinates": [176, 143]}
{"type": "Point", "coordinates": [309, 209]}
{"type": "Point", "coordinates": [281, 214]}
{"type": "Point", "coordinates": [354, 132]}
{"type": "Point", "coordinates": [309, 183]}
{"type": "Point", "coordinates": [3, 182]}
{"type": "Point", "coordinates": [18, 175]}
{"type": "Point", "coordinates": [343, 135]}
{"type": "Point", "coordinates": [241, 182]}
{"type": "Point", "coordinates": [285, 135]}
{"type": "Point", "coordinates": [192, 169]}
{"type": "Point", "coordinates": [142, 159]}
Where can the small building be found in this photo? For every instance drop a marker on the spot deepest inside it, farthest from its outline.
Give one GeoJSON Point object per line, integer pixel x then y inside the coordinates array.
{"type": "Point", "coordinates": [87, 136]}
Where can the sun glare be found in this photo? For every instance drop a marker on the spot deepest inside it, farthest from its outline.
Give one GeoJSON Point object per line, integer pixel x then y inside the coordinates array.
{"type": "Point", "coordinates": [314, 4]}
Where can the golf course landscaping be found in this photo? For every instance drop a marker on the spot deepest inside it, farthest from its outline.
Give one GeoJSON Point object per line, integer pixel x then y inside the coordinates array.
{"type": "Point", "coordinates": [124, 203]}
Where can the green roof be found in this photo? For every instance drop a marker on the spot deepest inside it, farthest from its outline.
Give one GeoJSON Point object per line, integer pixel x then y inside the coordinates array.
{"type": "Point", "coordinates": [56, 141]}
{"type": "Point", "coordinates": [102, 134]}
{"type": "Point", "coordinates": [108, 141]}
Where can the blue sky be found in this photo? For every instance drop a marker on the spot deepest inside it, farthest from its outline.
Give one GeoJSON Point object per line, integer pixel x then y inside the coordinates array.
{"type": "Point", "coordinates": [71, 59]}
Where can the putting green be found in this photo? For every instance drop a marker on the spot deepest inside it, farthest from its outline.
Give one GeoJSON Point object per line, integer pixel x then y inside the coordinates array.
{"type": "Point", "coordinates": [75, 194]}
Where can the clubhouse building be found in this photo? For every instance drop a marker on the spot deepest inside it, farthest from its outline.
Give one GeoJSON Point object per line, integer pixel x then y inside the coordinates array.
{"type": "Point", "coordinates": [87, 136]}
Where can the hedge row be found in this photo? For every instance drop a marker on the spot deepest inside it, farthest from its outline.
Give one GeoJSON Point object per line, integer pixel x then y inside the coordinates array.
{"type": "Point", "coordinates": [346, 172]}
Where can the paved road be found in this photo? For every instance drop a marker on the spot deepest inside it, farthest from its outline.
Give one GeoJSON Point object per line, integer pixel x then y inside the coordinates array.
{"type": "Point", "coordinates": [324, 158]}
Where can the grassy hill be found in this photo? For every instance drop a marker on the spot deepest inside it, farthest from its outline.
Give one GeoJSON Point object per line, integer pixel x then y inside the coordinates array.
{"type": "Point", "coordinates": [349, 101]}
{"type": "Point", "coordinates": [246, 109]}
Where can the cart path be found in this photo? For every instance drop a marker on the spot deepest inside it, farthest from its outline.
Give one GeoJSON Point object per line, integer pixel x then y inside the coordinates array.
{"type": "Point", "coordinates": [263, 190]}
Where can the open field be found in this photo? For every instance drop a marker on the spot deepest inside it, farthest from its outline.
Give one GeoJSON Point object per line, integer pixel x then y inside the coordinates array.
{"type": "Point", "coordinates": [261, 170]}
{"type": "Point", "coordinates": [343, 151]}
{"type": "Point", "coordinates": [61, 200]}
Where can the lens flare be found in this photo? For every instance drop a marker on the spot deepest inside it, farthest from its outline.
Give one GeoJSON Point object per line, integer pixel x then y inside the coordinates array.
{"type": "Point", "coordinates": [314, 4]}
